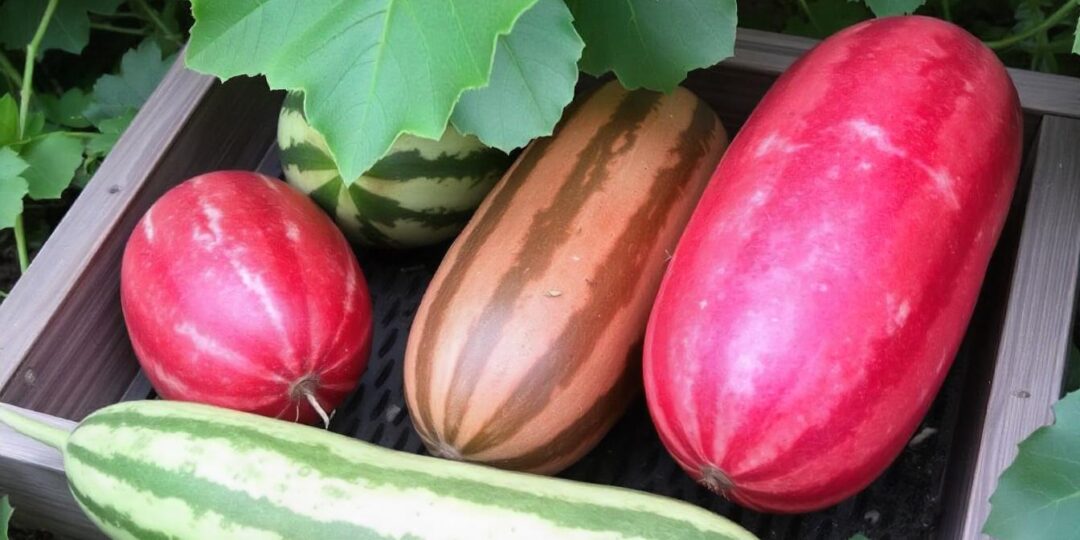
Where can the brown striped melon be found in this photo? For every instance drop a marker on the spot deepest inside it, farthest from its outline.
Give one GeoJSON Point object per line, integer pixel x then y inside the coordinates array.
{"type": "Point", "coordinates": [526, 346]}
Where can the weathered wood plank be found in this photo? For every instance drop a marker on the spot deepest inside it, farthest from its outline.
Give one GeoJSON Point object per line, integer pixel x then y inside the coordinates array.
{"type": "Point", "coordinates": [33, 475]}
{"type": "Point", "coordinates": [1031, 359]}
{"type": "Point", "coordinates": [770, 53]}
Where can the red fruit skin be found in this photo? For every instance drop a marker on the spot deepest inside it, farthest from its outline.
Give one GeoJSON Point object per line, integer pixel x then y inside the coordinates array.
{"type": "Point", "coordinates": [823, 285]}
{"type": "Point", "coordinates": [235, 288]}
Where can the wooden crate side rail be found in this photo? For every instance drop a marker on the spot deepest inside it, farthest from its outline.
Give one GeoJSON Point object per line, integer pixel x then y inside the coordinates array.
{"type": "Point", "coordinates": [32, 474]}
{"type": "Point", "coordinates": [93, 216]}
{"type": "Point", "coordinates": [1032, 356]}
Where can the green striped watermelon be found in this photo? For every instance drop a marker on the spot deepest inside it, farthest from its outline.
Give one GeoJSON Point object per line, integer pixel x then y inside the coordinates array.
{"type": "Point", "coordinates": [166, 469]}
{"type": "Point", "coordinates": [421, 192]}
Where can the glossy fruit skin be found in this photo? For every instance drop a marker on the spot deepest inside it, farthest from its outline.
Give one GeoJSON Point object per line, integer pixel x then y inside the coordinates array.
{"type": "Point", "coordinates": [824, 283]}
{"type": "Point", "coordinates": [238, 291]}
{"type": "Point", "coordinates": [165, 469]}
{"type": "Point", "coordinates": [525, 348]}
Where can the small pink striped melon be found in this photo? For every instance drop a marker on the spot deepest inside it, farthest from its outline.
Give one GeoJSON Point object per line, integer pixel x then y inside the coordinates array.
{"type": "Point", "coordinates": [239, 292]}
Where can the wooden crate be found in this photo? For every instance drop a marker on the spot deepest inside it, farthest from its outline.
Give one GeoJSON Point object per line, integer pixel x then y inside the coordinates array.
{"type": "Point", "coordinates": [64, 350]}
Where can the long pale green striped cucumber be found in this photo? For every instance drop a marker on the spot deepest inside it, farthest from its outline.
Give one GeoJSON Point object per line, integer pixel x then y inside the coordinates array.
{"type": "Point", "coordinates": [168, 469]}
{"type": "Point", "coordinates": [421, 192]}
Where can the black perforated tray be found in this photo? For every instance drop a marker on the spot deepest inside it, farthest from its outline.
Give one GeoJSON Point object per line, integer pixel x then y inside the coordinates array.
{"type": "Point", "coordinates": [904, 503]}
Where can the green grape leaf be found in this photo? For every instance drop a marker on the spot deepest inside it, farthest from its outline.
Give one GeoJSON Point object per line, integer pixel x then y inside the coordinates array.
{"type": "Point", "coordinates": [67, 109]}
{"type": "Point", "coordinates": [369, 70]}
{"type": "Point", "coordinates": [9, 120]}
{"type": "Point", "coordinates": [532, 80]}
{"type": "Point", "coordinates": [1038, 496]}
{"type": "Point", "coordinates": [110, 131]}
{"type": "Point", "coordinates": [141, 69]}
{"type": "Point", "coordinates": [5, 517]}
{"type": "Point", "coordinates": [1076, 41]}
{"type": "Point", "coordinates": [35, 124]}
{"type": "Point", "coordinates": [68, 30]}
{"type": "Point", "coordinates": [53, 159]}
{"type": "Point", "coordinates": [886, 8]}
{"type": "Point", "coordinates": [13, 188]}
{"type": "Point", "coordinates": [650, 44]}
{"type": "Point", "coordinates": [831, 16]}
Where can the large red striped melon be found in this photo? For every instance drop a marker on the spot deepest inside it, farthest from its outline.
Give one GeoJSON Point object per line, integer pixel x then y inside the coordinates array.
{"type": "Point", "coordinates": [239, 292]}
{"type": "Point", "coordinates": [526, 347]}
{"type": "Point", "coordinates": [824, 283]}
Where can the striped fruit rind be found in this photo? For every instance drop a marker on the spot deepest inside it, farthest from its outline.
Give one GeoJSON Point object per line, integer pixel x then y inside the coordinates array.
{"type": "Point", "coordinates": [421, 192]}
{"type": "Point", "coordinates": [238, 291]}
{"type": "Point", "coordinates": [158, 469]}
{"type": "Point", "coordinates": [525, 349]}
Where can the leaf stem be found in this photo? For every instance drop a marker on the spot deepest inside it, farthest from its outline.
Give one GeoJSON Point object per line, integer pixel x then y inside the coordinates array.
{"type": "Point", "coordinates": [10, 70]}
{"type": "Point", "coordinates": [28, 67]}
{"type": "Point", "coordinates": [154, 19]}
{"type": "Point", "coordinates": [946, 10]}
{"type": "Point", "coordinates": [25, 91]}
{"type": "Point", "coordinates": [809, 15]}
{"type": "Point", "coordinates": [1047, 23]}
{"type": "Point", "coordinates": [119, 29]}
{"type": "Point", "coordinates": [20, 244]}
{"type": "Point", "coordinates": [35, 429]}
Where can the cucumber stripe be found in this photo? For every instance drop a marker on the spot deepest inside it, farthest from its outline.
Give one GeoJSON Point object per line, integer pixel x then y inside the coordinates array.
{"type": "Point", "coordinates": [572, 515]}
{"type": "Point", "coordinates": [115, 519]}
{"type": "Point", "coordinates": [206, 496]}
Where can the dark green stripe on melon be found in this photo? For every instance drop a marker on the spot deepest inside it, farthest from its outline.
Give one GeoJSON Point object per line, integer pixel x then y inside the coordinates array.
{"type": "Point", "coordinates": [327, 195]}
{"type": "Point", "coordinates": [386, 211]}
{"type": "Point", "coordinates": [307, 157]}
{"type": "Point", "coordinates": [204, 495]}
{"type": "Point", "coordinates": [114, 518]}
{"type": "Point", "coordinates": [408, 164]}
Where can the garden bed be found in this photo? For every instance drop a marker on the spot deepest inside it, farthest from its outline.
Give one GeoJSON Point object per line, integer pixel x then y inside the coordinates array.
{"type": "Point", "coordinates": [65, 351]}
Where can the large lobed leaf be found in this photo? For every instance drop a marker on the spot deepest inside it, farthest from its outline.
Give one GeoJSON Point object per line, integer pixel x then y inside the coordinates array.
{"type": "Point", "coordinates": [141, 69]}
{"type": "Point", "coordinates": [369, 70]}
{"type": "Point", "coordinates": [1038, 496]}
{"type": "Point", "coordinates": [532, 80]}
{"type": "Point", "coordinates": [653, 44]}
